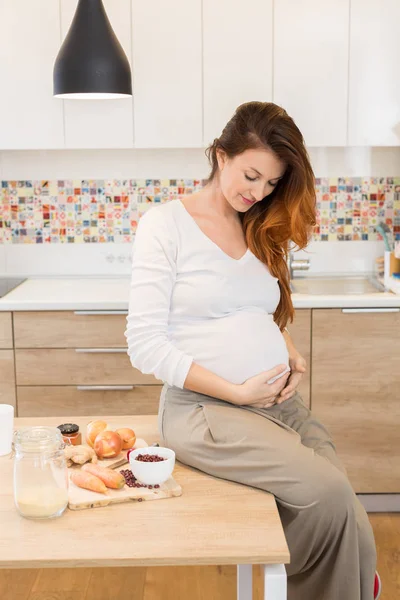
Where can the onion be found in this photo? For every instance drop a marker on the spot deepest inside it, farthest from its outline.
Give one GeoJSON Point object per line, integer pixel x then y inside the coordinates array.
{"type": "Point", "coordinates": [92, 431]}
{"type": "Point", "coordinates": [128, 437]}
{"type": "Point", "coordinates": [107, 444]}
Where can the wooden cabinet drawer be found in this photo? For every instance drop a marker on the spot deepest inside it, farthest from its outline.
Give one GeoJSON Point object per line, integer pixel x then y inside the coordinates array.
{"type": "Point", "coordinates": [300, 332]}
{"type": "Point", "coordinates": [6, 340]}
{"type": "Point", "coordinates": [52, 401]}
{"type": "Point", "coordinates": [77, 367]}
{"type": "Point", "coordinates": [67, 329]}
{"type": "Point", "coordinates": [7, 377]}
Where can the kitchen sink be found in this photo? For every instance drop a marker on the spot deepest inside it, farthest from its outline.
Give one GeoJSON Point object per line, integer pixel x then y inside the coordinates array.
{"type": "Point", "coordinates": [317, 286]}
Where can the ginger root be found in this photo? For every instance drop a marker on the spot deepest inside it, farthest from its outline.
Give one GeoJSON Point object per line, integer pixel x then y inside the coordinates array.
{"type": "Point", "coordinates": [79, 455]}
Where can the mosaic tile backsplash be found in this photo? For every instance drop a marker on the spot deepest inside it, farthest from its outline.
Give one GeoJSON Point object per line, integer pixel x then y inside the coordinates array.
{"type": "Point", "coordinates": [90, 211]}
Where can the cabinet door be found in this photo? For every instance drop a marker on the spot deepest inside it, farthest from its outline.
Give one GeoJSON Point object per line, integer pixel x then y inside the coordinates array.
{"type": "Point", "coordinates": [300, 332]}
{"type": "Point", "coordinates": [7, 377]}
{"type": "Point", "coordinates": [355, 392]}
{"type": "Point", "coordinates": [166, 59]}
{"type": "Point", "coordinates": [6, 337]}
{"type": "Point", "coordinates": [100, 123]}
{"type": "Point", "coordinates": [30, 38]}
{"type": "Point", "coordinates": [311, 67]}
{"type": "Point", "coordinates": [374, 93]}
{"type": "Point", "coordinates": [237, 59]}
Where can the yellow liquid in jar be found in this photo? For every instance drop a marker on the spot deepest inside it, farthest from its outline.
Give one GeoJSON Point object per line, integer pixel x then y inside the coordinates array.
{"type": "Point", "coordinates": [42, 502]}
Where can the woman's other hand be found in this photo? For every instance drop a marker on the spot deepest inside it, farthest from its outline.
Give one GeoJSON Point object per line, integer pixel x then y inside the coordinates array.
{"type": "Point", "coordinates": [298, 366]}
{"type": "Point", "coordinates": [257, 392]}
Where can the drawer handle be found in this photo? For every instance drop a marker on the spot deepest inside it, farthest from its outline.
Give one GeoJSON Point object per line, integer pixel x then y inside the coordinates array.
{"type": "Point", "coordinates": [370, 310]}
{"type": "Point", "coordinates": [100, 312]}
{"type": "Point", "coordinates": [94, 388]}
{"type": "Point", "coordinates": [101, 350]}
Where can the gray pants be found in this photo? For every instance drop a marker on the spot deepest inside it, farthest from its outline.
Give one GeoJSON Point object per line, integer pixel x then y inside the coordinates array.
{"type": "Point", "coordinates": [286, 451]}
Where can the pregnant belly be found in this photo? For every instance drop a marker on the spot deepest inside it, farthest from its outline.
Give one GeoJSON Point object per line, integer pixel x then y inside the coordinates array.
{"type": "Point", "coordinates": [234, 347]}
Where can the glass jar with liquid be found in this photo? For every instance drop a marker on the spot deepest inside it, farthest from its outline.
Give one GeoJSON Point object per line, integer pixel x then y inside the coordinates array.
{"type": "Point", "coordinates": [40, 472]}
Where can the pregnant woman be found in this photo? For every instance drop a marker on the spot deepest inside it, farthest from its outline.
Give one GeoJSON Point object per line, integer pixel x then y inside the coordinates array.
{"type": "Point", "coordinates": [210, 301]}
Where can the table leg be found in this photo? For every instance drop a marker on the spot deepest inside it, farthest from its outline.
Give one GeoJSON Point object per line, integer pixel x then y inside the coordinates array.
{"type": "Point", "coordinates": [244, 582]}
{"type": "Point", "coordinates": [275, 582]}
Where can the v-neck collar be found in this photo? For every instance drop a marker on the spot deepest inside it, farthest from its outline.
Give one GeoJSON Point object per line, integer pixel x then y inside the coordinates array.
{"type": "Point", "coordinates": [196, 225]}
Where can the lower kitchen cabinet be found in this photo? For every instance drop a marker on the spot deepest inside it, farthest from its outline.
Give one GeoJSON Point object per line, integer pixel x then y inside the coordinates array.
{"type": "Point", "coordinates": [7, 371]}
{"type": "Point", "coordinates": [356, 391]}
{"type": "Point", "coordinates": [6, 338]}
{"type": "Point", "coordinates": [77, 364]}
{"type": "Point", "coordinates": [77, 381]}
{"type": "Point", "coordinates": [7, 377]}
{"type": "Point", "coordinates": [300, 332]}
{"type": "Point", "coordinates": [82, 381]}
{"type": "Point", "coordinates": [65, 359]}
{"type": "Point", "coordinates": [53, 401]}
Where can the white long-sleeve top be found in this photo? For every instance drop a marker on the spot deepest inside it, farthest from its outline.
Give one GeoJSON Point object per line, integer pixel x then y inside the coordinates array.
{"type": "Point", "coordinates": [190, 301]}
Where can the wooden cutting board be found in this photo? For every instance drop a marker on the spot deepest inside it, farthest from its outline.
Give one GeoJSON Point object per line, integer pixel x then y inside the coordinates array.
{"type": "Point", "coordinates": [79, 498]}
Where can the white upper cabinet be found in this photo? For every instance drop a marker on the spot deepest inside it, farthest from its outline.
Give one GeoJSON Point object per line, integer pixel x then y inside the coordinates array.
{"type": "Point", "coordinates": [167, 73]}
{"type": "Point", "coordinates": [332, 64]}
{"type": "Point", "coordinates": [311, 67]}
{"type": "Point", "coordinates": [100, 123]}
{"type": "Point", "coordinates": [237, 59]}
{"type": "Point", "coordinates": [29, 41]}
{"type": "Point", "coordinates": [374, 94]}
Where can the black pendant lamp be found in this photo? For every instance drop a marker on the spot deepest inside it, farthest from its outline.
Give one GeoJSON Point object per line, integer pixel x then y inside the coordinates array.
{"type": "Point", "coordinates": [91, 63]}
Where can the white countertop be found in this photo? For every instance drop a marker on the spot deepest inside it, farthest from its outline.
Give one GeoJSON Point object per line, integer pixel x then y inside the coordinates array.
{"type": "Point", "coordinates": [113, 294]}
{"type": "Point", "coordinates": [69, 294]}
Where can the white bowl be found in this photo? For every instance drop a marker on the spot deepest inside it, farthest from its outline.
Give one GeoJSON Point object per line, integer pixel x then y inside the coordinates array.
{"type": "Point", "coordinates": [152, 473]}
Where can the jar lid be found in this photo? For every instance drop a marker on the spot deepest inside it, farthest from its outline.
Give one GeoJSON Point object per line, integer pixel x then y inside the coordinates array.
{"type": "Point", "coordinates": [37, 439]}
{"type": "Point", "coordinates": [68, 428]}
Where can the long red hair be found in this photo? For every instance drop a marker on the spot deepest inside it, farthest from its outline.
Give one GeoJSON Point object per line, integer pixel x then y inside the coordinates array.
{"type": "Point", "coordinates": [286, 215]}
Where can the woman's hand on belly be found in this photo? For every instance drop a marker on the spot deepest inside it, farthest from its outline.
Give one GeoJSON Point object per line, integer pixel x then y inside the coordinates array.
{"type": "Point", "coordinates": [298, 366]}
{"type": "Point", "coordinates": [257, 392]}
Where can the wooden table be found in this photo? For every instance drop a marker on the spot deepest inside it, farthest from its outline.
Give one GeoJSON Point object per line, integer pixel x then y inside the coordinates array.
{"type": "Point", "coordinates": [214, 522]}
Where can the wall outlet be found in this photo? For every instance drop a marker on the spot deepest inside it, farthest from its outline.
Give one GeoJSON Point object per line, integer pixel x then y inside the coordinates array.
{"type": "Point", "coordinates": [118, 258]}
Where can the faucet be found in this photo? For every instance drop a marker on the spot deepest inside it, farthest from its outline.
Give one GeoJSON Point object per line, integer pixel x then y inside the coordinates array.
{"type": "Point", "coordinates": [297, 264]}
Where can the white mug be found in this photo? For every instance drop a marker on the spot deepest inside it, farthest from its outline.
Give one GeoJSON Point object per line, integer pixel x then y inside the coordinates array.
{"type": "Point", "coordinates": [6, 428]}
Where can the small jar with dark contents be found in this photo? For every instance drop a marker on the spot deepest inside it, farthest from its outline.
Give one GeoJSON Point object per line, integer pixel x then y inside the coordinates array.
{"type": "Point", "coordinates": [71, 434]}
